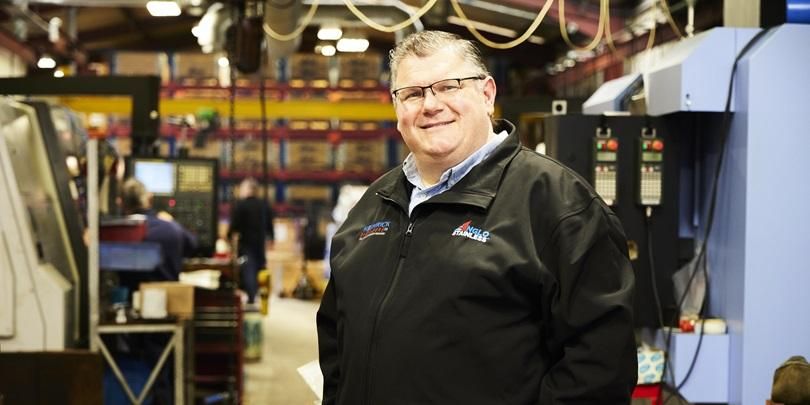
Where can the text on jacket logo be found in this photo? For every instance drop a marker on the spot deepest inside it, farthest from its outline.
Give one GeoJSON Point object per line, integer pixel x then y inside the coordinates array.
{"type": "Point", "coordinates": [377, 228]}
{"type": "Point", "coordinates": [468, 231]}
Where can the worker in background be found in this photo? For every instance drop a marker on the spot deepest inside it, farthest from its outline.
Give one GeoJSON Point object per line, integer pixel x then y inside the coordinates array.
{"type": "Point", "coordinates": [477, 272]}
{"type": "Point", "coordinates": [174, 240]}
{"type": "Point", "coordinates": [175, 243]}
{"type": "Point", "coordinates": [252, 221]}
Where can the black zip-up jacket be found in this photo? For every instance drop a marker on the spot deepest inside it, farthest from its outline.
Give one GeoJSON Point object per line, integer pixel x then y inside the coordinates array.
{"type": "Point", "coordinates": [512, 287]}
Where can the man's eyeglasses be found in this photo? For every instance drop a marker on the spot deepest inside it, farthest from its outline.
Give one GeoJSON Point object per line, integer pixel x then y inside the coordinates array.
{"type": "Point", "coordinates": [441, 89]}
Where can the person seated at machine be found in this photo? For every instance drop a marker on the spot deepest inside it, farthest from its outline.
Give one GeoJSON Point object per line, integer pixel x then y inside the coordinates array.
{"type": "Point", "coordinates": [174, 240]}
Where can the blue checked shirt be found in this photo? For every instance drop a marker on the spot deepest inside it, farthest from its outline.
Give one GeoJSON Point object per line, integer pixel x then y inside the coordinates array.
{"type": "Point", "coordinates": [450, 176]}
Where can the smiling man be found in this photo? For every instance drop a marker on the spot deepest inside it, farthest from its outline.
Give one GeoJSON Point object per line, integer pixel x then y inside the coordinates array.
{"type": "Point", "coordinates": [500, 277]}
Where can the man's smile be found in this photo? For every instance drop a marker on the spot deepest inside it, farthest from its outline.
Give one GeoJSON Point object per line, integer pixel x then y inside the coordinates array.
{"type": "Point", "coordinates": [435, 124]}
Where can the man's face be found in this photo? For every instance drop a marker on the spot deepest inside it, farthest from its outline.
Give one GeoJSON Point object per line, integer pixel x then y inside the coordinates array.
{"type": "Point", "coordinates": [444, 130]}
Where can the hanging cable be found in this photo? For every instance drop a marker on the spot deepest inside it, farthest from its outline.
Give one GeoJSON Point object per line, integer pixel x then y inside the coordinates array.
{"type": "Point", "coordinates": [359, 14]}
{"type": "Point", "coordinates": [608, 33]}
{"type": "Point", "coordinates": [505, 45]}
{"type": "Point", "coordinates": [564, 30]}
{"type": "Point", "coordinates": [668, 14]}
{"type": "Point", "coordinates": [296, 32]}
{"type": "Point", "coordinates": [651, 38]}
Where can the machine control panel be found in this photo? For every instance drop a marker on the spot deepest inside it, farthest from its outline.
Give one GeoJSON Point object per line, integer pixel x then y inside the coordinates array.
{"type": "Point", "coordinates": [605, 166]}
{"type": "Point", "coordinates": [187, 190]}
{"type": "Point", "coordinates": [650, 170]}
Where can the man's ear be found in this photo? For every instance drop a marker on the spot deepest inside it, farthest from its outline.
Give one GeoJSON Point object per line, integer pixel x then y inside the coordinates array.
{"type": "Point", "coordinates": [490, 90]}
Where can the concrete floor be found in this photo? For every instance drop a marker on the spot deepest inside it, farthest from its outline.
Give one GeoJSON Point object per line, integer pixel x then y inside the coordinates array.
{"type": "Point", "coordinates": [290, 341]}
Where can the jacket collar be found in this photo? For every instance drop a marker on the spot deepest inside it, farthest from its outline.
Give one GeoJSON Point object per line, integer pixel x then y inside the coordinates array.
{"type": "Point", "coordinates": [478, 188]}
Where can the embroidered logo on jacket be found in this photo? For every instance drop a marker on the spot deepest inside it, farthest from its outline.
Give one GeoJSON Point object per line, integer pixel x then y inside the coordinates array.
{"type": "Point", "coordinates": [377, 228]}
{"type": "Point", "coordinates": [468, 231]}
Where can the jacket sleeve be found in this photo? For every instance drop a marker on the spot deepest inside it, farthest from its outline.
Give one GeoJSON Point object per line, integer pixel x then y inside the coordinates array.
{"type": "Point", "coordinates": [589, 309]}
{"type": "Point", "coordinates": [329, 344]}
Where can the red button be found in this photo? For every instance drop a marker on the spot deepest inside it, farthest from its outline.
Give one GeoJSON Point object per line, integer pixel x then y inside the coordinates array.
{"type": "Point", "coordinates": [657, 145]}
{"type": "Point", "coordinates": [612, 145]}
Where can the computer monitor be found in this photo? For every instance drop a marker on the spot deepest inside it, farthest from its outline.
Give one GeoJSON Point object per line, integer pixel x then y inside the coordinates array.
{"type": "Point", "coordinates": [157, 176]}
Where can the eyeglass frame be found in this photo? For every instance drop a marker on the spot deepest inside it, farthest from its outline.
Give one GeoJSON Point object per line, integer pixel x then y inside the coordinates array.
{"type": "Point", "coordinates": [430, 86]}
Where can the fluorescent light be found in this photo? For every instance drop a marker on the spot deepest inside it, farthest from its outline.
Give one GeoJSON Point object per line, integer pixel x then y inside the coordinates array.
{"type": "Point", "coordinates": [328, 50]}
{"type": "Point", "coordinates": [58, 73]}
{"type": "Point", "coordinates": [223, 61]}
{"type": "Point", "coordinates": [493, 29]}
{"type": "Point", "coordinates": [163, 8]}
{"type": "Point", "coordinates": [352, 45]}
{"type": "Point", "coordinates": [330, 33]}
{"type": "Point", "coordinates": [46, 62]}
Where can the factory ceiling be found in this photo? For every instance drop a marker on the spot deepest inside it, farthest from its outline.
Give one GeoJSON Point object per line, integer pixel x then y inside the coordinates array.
{"type": "Point", "coordinates": [92, 28]}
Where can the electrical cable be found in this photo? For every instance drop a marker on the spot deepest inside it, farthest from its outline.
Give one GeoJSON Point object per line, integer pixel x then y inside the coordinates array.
{"type": "Point", "coordinates": [702, 258]}
{"type": "Point", "coordinates": [298, 30]}
{"type": "Point", "coordinates": [653, 282]}
{"type": "Point", "coordinates": [564, 30]}
{"type": "Point", "coordinates": [671, 20]}
{"type": "Point", "coordinates": [608, 33]}
{"type": "Point", "coordinates": [505, 45]}
{"type": "Point", "coordinates": [419, 13]}
{"type": "Point", "coordinates": [651, 38]}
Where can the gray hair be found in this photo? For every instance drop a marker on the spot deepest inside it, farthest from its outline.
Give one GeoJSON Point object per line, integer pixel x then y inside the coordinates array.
{"type": "Point", "coordinates": [426, 43]}
{"type": "Point", "coordinates": [134, 196]}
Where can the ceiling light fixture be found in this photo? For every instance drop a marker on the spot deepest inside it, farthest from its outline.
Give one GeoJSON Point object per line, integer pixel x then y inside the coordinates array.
{"type": "Point", "coordinates": [46, 62]}
{"type": "Point", "coordinates": [328, 50]}
{"type": "Point", "coordinates": [58, 73]}
{"type": "Point", "coordinates": [493, 29]}
{"type": "Point", "coordinates": [327, 33]}
{"type": "Point", "coordinates": [163, 8]}
{"type": "Point", "coordinates": [352, 45]}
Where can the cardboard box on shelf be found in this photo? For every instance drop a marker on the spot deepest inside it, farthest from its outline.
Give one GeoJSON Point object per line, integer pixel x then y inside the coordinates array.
{"type": "Point", "coordinates": [195, 68]}
{"type": "Point", "coordinates": [309, 68]}
{"type": "Point", "coordinates": [142, 63]}
{"type": "Point", "coordinates": [303, 193]}
{"type": "Point", "coordinates": [247, 155]}
{"type": "Point", "coordinates": [179, 297]}
{"type": "Point", "coordinates": [308, 155]}
{"type": "Point", "coordinates": [209, 149]}
{"type": "Point", "coordinates": [361, 70]}
{"type": "Point", "coordinates": [362, 155]}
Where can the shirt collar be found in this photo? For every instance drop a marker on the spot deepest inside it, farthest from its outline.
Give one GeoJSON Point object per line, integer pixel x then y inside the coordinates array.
{"type": "Point", "coordinates": [452, 175]}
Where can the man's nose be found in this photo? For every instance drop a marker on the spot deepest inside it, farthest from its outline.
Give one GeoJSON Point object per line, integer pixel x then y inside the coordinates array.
{"type": "Point", "coordinates": [431, 101]}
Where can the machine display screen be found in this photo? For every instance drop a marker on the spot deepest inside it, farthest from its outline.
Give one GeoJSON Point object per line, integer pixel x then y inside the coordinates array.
{"type": "Point", "coordinates": [606, 156]}
{"type": "Point", "coordinates": [651, 157]}
{"type": "Point", "coordinates": [157, 177]}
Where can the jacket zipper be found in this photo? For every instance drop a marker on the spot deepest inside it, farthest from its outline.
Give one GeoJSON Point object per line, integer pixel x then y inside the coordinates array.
{"type": "Point", "coordinates": [403, 252]}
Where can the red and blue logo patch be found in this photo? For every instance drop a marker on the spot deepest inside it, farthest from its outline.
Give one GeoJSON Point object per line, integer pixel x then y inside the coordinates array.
{"type": "Point", "coordinates": [376, 229]}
